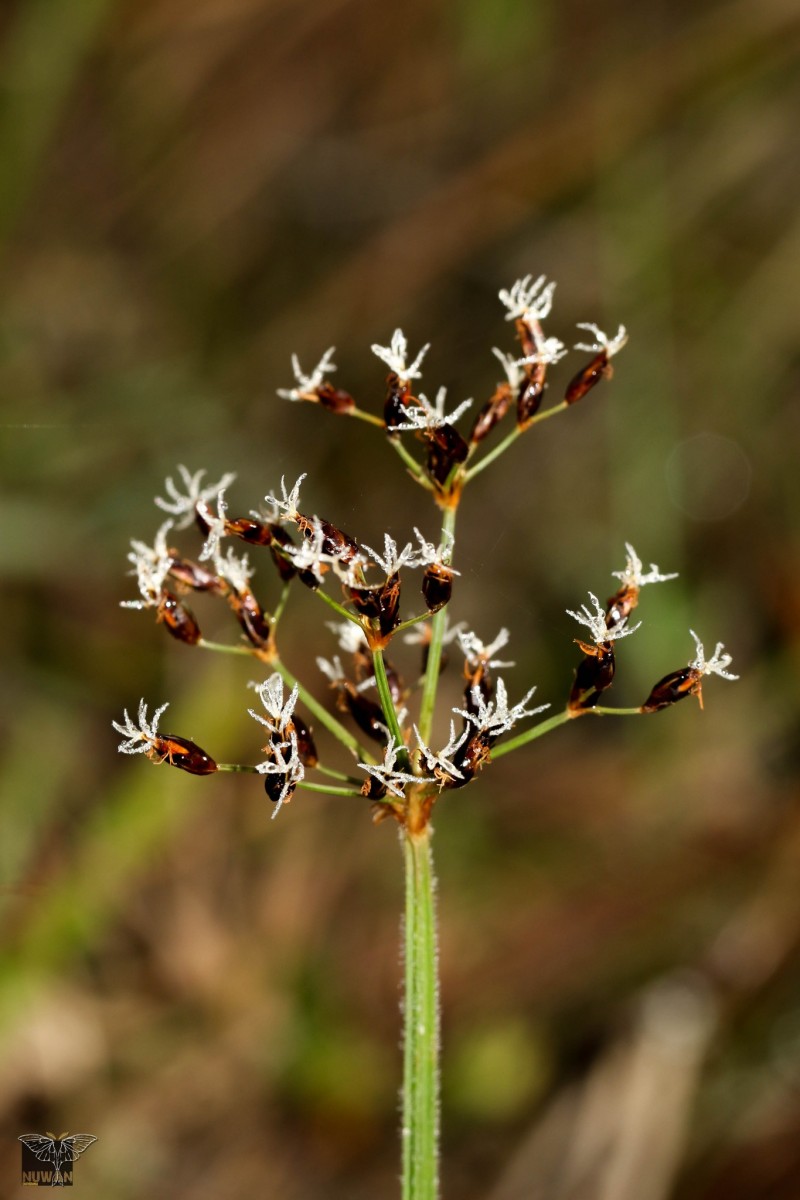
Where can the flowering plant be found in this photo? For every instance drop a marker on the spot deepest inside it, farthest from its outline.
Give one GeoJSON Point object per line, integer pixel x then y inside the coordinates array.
{"type": "Point", "coordinates": [396, 768]}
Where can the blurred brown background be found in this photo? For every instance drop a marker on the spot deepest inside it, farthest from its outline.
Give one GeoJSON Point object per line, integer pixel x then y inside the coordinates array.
{"type": "Point", "coordinates": [192, 191]}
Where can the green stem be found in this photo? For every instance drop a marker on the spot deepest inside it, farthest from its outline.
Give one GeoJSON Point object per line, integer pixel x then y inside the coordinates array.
{"type": "Point", "coordinates": [617, 712]}
{"type": "Point", "coordinates": [224, 648]}
{"type": "Point", "coordinates": [236, 767]}
{"type": "Point", "coordinates": [337, 607]}
{"type": "Point", "coordinates": [426, 616]}
{"type": "Point", "coordinates": [276, 616]}
{"type": "Point", "coordinates": [387, 704]}
{"type": "Point", "coordinates": [413, 466]}
{"type": "Point", "coordinates": [438, 628]}
{"type": "Point", "coordinates": [510, 438]}
{"type": "Point", "coordinates": [561, 718]}
{"type": "Point", "coordinates": [489, 458]}
{"type": "Point", "coordinates": [329, 771]}
{"type": "Point", "coordinates": [329, 789]}
{"type": "Point", "coordinates": [420, 1130]}
{"type": "Point", "coordinates": [359, 414]}
{"type": "Point", "coordinates": [530, 735]}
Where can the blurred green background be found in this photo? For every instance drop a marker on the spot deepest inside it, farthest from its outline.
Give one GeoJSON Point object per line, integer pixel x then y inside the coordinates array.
{"type": "Point", "coordinates": [192, 191]}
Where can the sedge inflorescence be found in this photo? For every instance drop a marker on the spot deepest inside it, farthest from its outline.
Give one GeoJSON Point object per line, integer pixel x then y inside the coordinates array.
{"type": "Point", "coordinates": [385, 722]}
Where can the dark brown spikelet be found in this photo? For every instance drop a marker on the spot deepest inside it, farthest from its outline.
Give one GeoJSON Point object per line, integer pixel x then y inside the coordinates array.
{"type": "Point", "coordinates": [380, 602]}
{"type": "Point", "coordinates": [491, 414]}
{"type": "Point", "coordinates": [531, 393]}
{"type": "Point", "coordinates": [594, 675]}
{"type": "Point", "coordinates": [437, 586]}
{"type": "Point", "coordinates": [621, 605]}
{"type": "Point", "coordinates": [306, 748]}
{"type": "Point", "coordinates": [178, 619]}
{"type": "Point", "coordinates": [526, 339]}
{"type": "Point", "coordinates": [588, 377]}
{"type": "Point", "coordinates": [398, 398]}
{"type": "Point", "coordinates": [367, 714]}
{"type": "Point", "coordinates": [334, 399]}
{"type": "Point", "coordinates": [286, 568]}
{"type": "Point", "coordinates": [190, 575]}
{"type": "Point", "coordinates": [252, 618]}
{"type": "Point", "coordinates": [480, 685]}
{"type": "Point", "coordinates": [274, 784]}
{"type": "Point", "coordinates": [472, 757]}
{"type": "Point", "coordinates": [446, 449]}
{"type": "Point", "coordinates": [674, 687]}
{"type": "Point", "coordinates": [334, 540]}
{"type": "Point", "coordinates": [255, 533]}
{"type": "Point", "coordinates": [181, 753]}
{"type": "Point", "coordinates": [373, 789]}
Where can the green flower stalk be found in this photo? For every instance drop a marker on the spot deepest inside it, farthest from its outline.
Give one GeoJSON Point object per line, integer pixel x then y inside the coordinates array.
{"type": "Point", "coordinates": [401, 770]}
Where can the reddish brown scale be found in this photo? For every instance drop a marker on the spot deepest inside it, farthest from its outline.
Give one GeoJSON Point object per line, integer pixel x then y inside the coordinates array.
{"type": "Point", "coordinates": [674, 687]}
{"type": "Point", "coordinates": [286, 568]}
{"type": "Point", "coordinates": [526, 338]}
{"type": "Point", "coordinates": [334, 399]}
{"type": "Point", "coordinates": [334, 540]}
{"type": "Point", "coordinates": [437, 586]}
{"type": "Point", "coordinates": [251, 617]}
{"type": "Point", "coordinates": [491, 414]}
{"type": "Point", "coordinates": [306, 748]}
{"type": "Point", "coordinates": [366, 600]}
{"type": "Point", "coordinates": [181, 753]}
{"type": "Point", "coordinates": [446, 449]}
{"type": "Point", "coordinates": [373, 789]}
{"type": "Point", "coordinates": [588, 377]}
{"type": "Point", "coordinates": [179, 621]}
{"type": "Point", "coordinates": [472, 757]}
{"type": "Point", "coordinates": [621, 605]}
{"type": "Point", "coordinates": [255, 533]}
{"type": "Point", "coordinates": [531, 393]}
{"type": "Point", "coordinates": [594, 675]}
{"type": "Point", "coordinates": [389, 614]}
{"type": "Point", "coordinates": [381, 603]}
{"type": "Point", "coordinates": [398, 398]}
{"type": "Point", "coordinates": [308, 578]}
{"type": "Point", "coordinates": [188, 574]}
{"type": "Point", "coordinates": [482, 680]}
{"type": "Point", "coordinates": [274, 783]}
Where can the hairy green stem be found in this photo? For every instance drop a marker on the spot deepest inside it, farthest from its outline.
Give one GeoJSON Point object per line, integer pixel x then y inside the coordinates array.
{"type": "Point", "coordinates": [420, 1129]}
{"type": "Point", "coordinates": [438, 627]}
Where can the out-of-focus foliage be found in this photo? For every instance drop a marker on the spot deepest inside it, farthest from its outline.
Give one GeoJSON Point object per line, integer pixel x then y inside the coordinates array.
{"type": "Point", "coordinates": [190, 192]}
